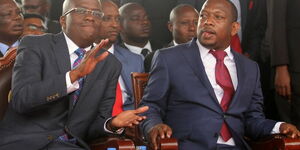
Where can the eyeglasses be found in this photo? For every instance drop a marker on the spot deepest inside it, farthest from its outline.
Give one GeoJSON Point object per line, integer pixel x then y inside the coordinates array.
{"type": "Point", "coordinates": [84, 11]}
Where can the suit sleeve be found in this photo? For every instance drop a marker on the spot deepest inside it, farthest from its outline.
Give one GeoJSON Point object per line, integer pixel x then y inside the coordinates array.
{"type": "Point", "coordinates": [257, 125]}
{"type": "Point", "coordinates": [156, 93]}
{"type": "Point", "coordinates": [29, 87]}
{"type": "Point", "coordinates": [96, 129]}
{"type": "Point", "coordinates": [279, 52]}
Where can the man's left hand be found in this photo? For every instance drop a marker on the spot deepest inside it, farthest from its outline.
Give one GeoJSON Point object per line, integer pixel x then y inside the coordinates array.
{"type": "Point", "coordinates": [289, 130]}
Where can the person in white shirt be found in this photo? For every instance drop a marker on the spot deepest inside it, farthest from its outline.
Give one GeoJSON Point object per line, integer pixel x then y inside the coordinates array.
{"type": "Point", "coordinates": [205, 94]}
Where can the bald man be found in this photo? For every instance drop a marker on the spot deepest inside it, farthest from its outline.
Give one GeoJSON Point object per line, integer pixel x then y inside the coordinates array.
{"type": "Point", "coordinates": [183, 26]}
{"type": "Point", "coordinates": [136, 29]}
{"type": "Point", "coordinates": [63, 91]}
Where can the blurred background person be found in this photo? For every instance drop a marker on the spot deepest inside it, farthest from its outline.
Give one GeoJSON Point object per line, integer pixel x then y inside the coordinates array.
{"type": "Point", "coordinates": [34, 25]}
{"type": "Point", "coordinates": [41, 7]}
{"type": "Point", "coordinates": [11, 25]}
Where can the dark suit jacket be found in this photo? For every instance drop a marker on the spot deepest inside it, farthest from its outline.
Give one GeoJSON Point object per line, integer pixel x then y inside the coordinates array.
{"type": "Point", "coordinates": [130, 63]}
{"type": "Point", "coordinates": [41, 110]}
{"type": "Point", "coordinates": [1, 55]}
{"type": "Point", "coordinates": [180, 95]}
{"type": "Point", "coordinates": [53, 26]}
{"type": "Point", "coordinates": [286, 33]}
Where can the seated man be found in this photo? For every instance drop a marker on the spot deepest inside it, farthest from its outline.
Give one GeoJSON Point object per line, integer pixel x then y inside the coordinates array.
{"type": "Point", "coordinates": [34, 25]}
{"type": "Point", "coordinates": [110, 28]}
{"type": "Point", "coordinates": [62, 90]}
{"type": "Point", "coordinates": [205, 94]}
{"type": "Point", "coordinates": [182, 24]}
{"type": "Point", "coordinates": [11, 25]}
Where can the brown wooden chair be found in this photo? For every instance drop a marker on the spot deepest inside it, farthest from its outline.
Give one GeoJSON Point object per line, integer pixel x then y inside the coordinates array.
{"type": "Point", "coordinates": [274, 142]}
{"type": "Point", "coordinates": [6, 66]}
{"type": "Point", "coordinates": [115, 142]}
{"type": "Point", "coordinates": [139, 82]}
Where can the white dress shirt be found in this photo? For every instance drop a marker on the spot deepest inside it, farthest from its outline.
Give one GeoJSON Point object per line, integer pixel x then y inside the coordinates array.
{"type": "Point", "coordinates": [4, 47]}
{"type": "Point", "coordinates": [138, 50]}
{"type": "Point", "coordinates": [209, 63]}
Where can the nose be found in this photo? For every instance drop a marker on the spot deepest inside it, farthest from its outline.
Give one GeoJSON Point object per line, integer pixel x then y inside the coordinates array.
{"type": "Point", "coordinates": [208, 21]}
{"type": "Point", "coordinates": [89, 18]}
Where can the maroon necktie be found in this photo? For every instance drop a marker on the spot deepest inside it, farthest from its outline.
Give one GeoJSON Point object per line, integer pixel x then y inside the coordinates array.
{"type": "Point", "coordinates": [223, 79]}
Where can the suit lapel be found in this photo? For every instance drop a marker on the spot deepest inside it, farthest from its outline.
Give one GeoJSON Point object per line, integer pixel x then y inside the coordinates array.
{"type": "Point", "coordinates": [124, 73]}
{"type": "Point", "coordinates": [60, 49]}
{"type": "Point", "coordinates": [88, 82]}
{"type": "Point", "coordinates": [241, 74]}
{"type": "Point", "coordinates": [193, 58]}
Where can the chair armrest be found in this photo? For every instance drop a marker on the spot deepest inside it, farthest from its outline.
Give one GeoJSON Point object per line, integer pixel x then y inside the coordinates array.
{"type": "Point", "coordinates": [275, 141]}
{"type": "Point", "coordinates": [113, 142]}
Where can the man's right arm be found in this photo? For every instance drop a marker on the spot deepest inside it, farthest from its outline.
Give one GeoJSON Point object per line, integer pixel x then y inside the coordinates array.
{"type": "Point", "coordinates": [30, 88]}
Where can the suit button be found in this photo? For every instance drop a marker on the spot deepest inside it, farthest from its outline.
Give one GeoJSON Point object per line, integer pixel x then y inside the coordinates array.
{"type": "Point", "coordinates": [50, 137]}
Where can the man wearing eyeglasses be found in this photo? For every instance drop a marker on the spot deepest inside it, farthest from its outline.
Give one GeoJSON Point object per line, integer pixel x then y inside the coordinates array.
{"type": "Point", "coordinates": [63, 90]}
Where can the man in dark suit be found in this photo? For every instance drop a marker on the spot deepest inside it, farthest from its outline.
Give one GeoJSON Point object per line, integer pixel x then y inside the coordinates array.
{"type": "Point", "coordinates": [63, 98]}
{"type": "Point", "coordinates": [136, 29]}
{"type": "Point", "coordinates": [182, 24]}
{"type": "Point", "coordinates": [285, 58]}
{"type": "Point", "coordinates": [42, 7]}
{"type": "Point", "coordinates": [203, 102]}
{"type": "Point", "coordinates": [11, 25]}
{"type": "Point", "coordinates": [110, 28]}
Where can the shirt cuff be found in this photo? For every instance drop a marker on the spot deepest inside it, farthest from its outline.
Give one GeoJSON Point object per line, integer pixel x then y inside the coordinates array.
{"type": "Point", "coordinates": [119, 131]}
{"type": "Point", "coordinates": [275, 129]}
{"type": "Point", "coordinates": [71, 87]}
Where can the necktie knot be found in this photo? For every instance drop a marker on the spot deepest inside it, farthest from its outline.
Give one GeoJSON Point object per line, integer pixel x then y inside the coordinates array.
{"type": "Point", "coordinates": [145, 52]}
{"type": "Point", "coordinates": [80, 52]}
{"type": "Point", "coordinates": [218, 54]}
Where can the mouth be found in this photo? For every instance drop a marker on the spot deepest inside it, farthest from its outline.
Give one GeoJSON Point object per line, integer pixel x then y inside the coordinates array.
{"type": "Point", "coordinates": [114, 33]}
{"type": "Point", "coordinates": [207, 33]}
{"type": "Point", "coordinates": [146, 29]}
{"type": "Point", "coordinates": [18, 27]}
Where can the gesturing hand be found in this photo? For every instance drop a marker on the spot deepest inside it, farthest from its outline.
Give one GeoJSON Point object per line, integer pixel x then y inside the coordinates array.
{"type": "Point", "coordinates": [289, 130]}
{"type": "Point", "coordinates": [129, 118]}
{"type": "Point", "coordinates": [159, 131]}
{"type": "Point", "coordinates": [89, 62]}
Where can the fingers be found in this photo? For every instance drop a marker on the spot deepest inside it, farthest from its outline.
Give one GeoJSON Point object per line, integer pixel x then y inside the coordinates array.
{"type": "Point", "coordinates": [141, 109]}
{"type": "Point", "coordinates": [289, 130]}
{"type": "Point", "coordinates": [153, 138]}
{"type": "Point", "coordinates": [99, 46]}
{"type": "Point", "coordinates": [102, 56]}
{"type": "Point", "coordinates": [158, 132]}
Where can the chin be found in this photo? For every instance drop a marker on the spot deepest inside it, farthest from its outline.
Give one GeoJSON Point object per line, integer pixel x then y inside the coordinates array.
{"type": "Point", "coordinates": [208, 44]}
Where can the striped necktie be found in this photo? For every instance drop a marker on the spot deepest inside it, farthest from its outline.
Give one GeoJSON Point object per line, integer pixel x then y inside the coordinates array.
{"type": "Point", "coordinates": [80, 53]}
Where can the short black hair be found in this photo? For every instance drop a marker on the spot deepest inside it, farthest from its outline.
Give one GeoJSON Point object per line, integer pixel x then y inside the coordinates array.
{"type": "Point", "coordinates": [233, 10]}
{"type": "Point", "coordinates": [34, 16]}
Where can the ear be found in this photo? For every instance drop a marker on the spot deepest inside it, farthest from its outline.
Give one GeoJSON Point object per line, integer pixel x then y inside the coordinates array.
{"type": "Point", "coordinates": [235, 28]}
{"type": "Point", "coordinates": [170, 26]}
{"type": "Point", "coordinates": [62, 21]}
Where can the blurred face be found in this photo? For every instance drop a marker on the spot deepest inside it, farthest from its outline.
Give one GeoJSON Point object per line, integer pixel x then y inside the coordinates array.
{"type": "Point", "coordinates": [216, 25]}
{"type": "Point", "coordinates": [136, 25]}
{"type": "Point", "coordinates": [110, 25]}
{"type": "Point", "coordinates": [82, 21]}
{"type": "Point", "coordinates": [39, 7]}
{"type": "Point", "coordinates": [11, 20]}
{"type": "Point", "coordinates": [184, 25]}
{"type": "Point", "coordinates": [34, 26]}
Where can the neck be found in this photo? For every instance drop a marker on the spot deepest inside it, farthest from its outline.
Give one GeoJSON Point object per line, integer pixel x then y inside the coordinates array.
{"type": "Point", "coordinates": [139, 43]}
{"type": "Point", "coordinates": [8, 41]}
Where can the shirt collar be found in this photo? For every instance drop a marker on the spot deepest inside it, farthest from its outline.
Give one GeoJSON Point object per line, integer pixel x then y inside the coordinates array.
{"type": "Point", "coordinates": [174, 42]}
{"type": "Point", "coordinates": [139, 49]}
{"type": "Point", "coordinates": [72, 47]}
{"type": "Point", "coordinates": [111, 49]}
{"type": "Point", "coordinates": [4, 47]}
{"type": "Point", "coordinates": [204, 52]}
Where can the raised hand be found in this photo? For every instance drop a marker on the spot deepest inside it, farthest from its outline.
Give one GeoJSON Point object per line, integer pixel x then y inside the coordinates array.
{"type": "Point", "coordinates": [159, 131]}
{"type": "Point", "coordinates": [89, 62]}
